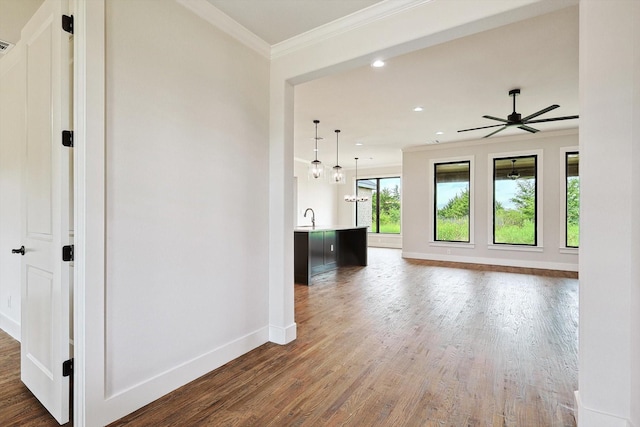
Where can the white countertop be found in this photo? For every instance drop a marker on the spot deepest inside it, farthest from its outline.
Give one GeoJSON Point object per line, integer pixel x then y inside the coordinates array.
{"type": "Point", "coordinates": [309, 229]}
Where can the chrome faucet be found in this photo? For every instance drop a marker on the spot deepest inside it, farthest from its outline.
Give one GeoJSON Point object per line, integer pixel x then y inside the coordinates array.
{"type": "Point", "coordinates": [313, 217]}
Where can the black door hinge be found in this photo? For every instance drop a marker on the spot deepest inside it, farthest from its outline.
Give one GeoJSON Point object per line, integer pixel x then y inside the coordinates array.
{"type": "Point", "coordinates": [67, 138]}
{"type": "Point", "coordinates": [67, 253]}
{"type": "Point", "coordinates": [67, 23]}
{"type": "Point", "coordinates": [67, 368]}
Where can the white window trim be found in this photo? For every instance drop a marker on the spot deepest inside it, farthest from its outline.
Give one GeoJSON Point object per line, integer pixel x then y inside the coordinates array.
{"type": "Point", "coordinates": [564, 249]}
{"type": "Point", "coordinates": [432, 201]}
{"type": "Point", "coordinates": [539, 201]}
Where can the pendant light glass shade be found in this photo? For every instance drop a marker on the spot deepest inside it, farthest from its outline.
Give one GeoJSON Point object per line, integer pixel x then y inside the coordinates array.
{"type": "Point", "coordinates": [337, 174]}
{"type": "Point", "coordinates": [316, 168]}
{"type": "Point", "coordinates": [356, 197]}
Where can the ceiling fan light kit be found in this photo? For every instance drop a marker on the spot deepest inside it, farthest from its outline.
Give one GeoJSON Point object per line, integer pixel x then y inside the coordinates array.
{"type": "Point", "coordinates": [514, 174]}
{"type": "Point", "coordinates": [516, 120]}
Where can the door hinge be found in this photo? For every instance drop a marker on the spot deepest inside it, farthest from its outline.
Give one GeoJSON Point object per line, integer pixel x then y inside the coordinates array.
{"type": "Point", "coordinates": [67, 23]}
{"type": "Point", "coordinates": [67, 368]}
{"type": "Point", "coordinates": [67, 138]}
{"type": "Point", "coordinates": [67, 253]}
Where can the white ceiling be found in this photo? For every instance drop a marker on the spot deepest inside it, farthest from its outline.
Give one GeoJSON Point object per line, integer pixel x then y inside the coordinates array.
{"type": "Point", "coordinates": [14, 14]}
{"type": "Point", "coordinates": [278, 20]}
{"type": "Point", "coordinates": [456, 83]}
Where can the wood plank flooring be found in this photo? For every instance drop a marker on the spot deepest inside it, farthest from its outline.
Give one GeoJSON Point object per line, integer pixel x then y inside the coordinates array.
{"type": "Point", "coordinates": [402, 343]}
{"type": "Point", "coordinates": [18, 407]}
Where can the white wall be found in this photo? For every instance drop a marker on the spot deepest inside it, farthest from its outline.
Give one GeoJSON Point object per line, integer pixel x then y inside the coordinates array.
{"type": "Point", "coordinates": [186, 203]}
{"type": "Point", "coordinates": [320, 195]}
{"type": "Point", "coordinates": [12, 143]}
{"type": "Point", "coordinates": [609, 353]}
{"type": "Point", "coordinates": [417, 213]}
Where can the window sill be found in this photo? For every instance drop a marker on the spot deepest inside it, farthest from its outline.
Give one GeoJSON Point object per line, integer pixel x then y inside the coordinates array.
{"type": "Point", "coordinates": [516, 248]}
{"type": "Point", "coordinates": [570, 251]}
{"type": "Point", "coordinates": [464, 245]}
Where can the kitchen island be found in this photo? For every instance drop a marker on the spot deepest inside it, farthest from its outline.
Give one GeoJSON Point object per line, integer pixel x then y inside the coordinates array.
{"type": "Point", "coordinates": [320, 249]}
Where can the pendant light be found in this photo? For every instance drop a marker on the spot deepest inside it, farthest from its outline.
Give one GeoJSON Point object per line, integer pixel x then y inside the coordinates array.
{"type": "Point", "coordinates": [356, 198]}
{"type": "Point", "coordinates": [514, 174]}
{"type": "Point", "coordinates": [337, 176]}
{"type": "Point", "coordinates": [316, 168]}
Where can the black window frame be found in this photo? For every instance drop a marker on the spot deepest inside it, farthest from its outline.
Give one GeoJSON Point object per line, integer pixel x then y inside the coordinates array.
{"type": "Point", "coordinates": [535, 213]}
{"type": "Point", "coordinates": [377, 195]}
{"type": "Point", "coordinates": [435, 200]}
{"type": "Point", "coordinates": [566, 194]}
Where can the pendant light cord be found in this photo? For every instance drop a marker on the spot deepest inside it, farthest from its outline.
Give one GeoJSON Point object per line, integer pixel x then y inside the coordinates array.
{"type": "Point", "coordinates": [356, 179]}
{"type": "Point", "coordinates": [316, 139]}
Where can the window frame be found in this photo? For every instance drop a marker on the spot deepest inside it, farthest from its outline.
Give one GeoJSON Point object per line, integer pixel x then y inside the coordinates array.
{"type": "Point", "coordinates": [564, 153]}
{"type": "Point", "coordinates": [432, 200]}
{"type": "Point", "coordinates": [435, 201]}
{"type": "Point", "coordinates": [377, 179]}
{"type": "Point", "coordinates": [538, 238]}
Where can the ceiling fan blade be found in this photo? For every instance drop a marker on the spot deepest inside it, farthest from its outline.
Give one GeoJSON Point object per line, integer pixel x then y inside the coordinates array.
{"type": "Point", "coordinates": [553, 119]}
{"type": "Point", "coordinates": [528, 128]}
{"type": "Point", "coordinates": [544, 110]}
{"type": "Point", "coordinates": [495, 118]}
{"type": "Point", "coordinates": [482, 127]}
{"type": "Point", "coordinates": [495, 131]}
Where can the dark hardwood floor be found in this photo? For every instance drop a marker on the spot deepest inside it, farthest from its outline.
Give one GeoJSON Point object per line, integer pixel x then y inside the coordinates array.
{"type": "Point", "coordinates": [401, 343]}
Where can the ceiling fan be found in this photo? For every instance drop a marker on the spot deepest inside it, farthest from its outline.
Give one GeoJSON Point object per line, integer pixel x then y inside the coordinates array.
{"type": "Point", "coordinates": [516, 119]}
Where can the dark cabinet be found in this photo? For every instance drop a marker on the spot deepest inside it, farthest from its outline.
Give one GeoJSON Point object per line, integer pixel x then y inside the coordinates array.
{"type": "Point", "coordinates": [329, 250]}
{"type": "Point", "coordinates": [316, 248]}
{"type": "Point", "coordinates": [323, 250]}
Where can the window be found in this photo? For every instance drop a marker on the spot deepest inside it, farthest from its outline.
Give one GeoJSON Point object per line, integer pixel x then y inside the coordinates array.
{"type": "Point", "coordinates": [515, 202]}
{"type": "Point", "coordinates": [452, 190]}
{"type": "Point", "coordinates": [572, 236]}
{"type": "Point", "coordinates": [381, 213]}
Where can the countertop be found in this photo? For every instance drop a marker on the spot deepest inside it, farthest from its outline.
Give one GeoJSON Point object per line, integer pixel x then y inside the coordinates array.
{"type": "Point", "coordinates": [309, 229]}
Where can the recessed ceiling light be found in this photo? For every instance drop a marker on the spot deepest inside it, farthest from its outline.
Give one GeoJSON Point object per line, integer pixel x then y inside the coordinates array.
{"type": "Point", "coordinates": [418, 109]}
{"type": "Point", "coordinates": [439, 133]}
{"type": "Point", "coordinates": [377, 63]}
{"type": "Point", "coordinates": [358, 143]}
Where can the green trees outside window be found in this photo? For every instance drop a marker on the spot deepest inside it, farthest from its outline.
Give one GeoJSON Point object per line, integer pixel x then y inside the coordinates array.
{"type": "Point", "coordinates": [382, 212]}
{"type": "Point", "coordinates": [515, 200]}
{"type": "Point", "coordinates": [452, 187]}
{"type": "Point", "coordinates": [572, 238]}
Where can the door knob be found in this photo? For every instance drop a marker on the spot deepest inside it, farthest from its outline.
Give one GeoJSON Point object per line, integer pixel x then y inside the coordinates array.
{"type": "Point", "coordinates": [18, 251]}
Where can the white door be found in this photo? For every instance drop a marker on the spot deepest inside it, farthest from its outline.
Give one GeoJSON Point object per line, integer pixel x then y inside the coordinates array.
{"type": "Point", "coordinates": [45, 277]}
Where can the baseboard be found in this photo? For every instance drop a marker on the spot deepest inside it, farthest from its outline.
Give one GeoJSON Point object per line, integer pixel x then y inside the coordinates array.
{"type": "Point", "coordinates": [378, 240]}
{"type": "Point", "coordinates": [544, 265]}
{"type": "Point", "coordinates": [127, 401]}
{"type": "Point", "coordinates": [10, 326]}
{"type": "Point", "coordinates": [390, 245]}
{"type": "Point", "coordinates": [281, 335]}
{"type": "Point", "coordinates": [586, 417]}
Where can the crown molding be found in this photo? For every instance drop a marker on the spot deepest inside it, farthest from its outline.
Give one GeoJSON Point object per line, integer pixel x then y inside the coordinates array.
{"type": "Point", "coordinates": [342, 25]}
{"type": "Point", "coordinates": [215, 16]}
